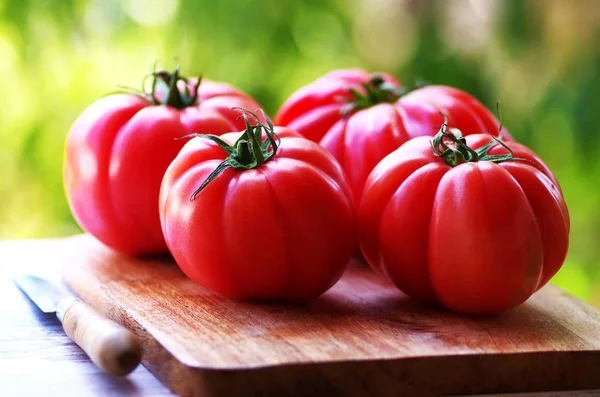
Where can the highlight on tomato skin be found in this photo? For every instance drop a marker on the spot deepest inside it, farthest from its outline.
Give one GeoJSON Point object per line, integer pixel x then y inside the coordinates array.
{"type": "Point", "coordinates": [360, 117]}
{"type": "Point", "coordinates": [477, 224]}
{"type": "Point", "coordinates": [262, 214]}
{"type": "Point", "coordinates": [119, 148]}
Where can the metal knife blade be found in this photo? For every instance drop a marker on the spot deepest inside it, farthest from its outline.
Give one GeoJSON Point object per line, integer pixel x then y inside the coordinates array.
{"type": "Point", "coordinates": [45, 294]}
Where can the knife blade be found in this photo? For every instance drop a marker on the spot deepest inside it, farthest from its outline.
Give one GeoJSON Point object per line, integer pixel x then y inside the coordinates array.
{"type": "Point", "coordinates": [110, 346]}
{"type": "Point", "coordinates": [41, 291]}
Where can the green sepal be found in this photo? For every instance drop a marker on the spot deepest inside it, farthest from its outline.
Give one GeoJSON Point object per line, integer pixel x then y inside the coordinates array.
{"type": "Point", "coordinates": [248, 152]}
{"type": "Point", "coordinates": [377, 90]}
{"type": "Point", "coordinates": [460, 152]}
{"type": "Point", "coordinates": [167, 84]}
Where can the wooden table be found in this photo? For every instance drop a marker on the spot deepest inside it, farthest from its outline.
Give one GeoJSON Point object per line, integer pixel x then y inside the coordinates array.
{"type": "Point", "coordinates": [37, 358]}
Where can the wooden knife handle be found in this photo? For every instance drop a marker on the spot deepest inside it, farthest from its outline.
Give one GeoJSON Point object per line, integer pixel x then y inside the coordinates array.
{"type": "Point", "coordinates": [110, 346]}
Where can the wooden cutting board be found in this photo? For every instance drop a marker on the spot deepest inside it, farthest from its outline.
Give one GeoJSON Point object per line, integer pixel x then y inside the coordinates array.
{"type": "Point", "coordinates": [362, 338]}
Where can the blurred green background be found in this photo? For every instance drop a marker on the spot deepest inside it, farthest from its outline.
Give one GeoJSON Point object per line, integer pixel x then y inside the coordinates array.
{"type": "Point", "coordinates": [540, 58]}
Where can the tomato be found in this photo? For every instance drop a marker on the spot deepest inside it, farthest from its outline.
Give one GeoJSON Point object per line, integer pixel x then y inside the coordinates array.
{"type": "Point", "coordinates": [270, 220]}
{"type": "Point", "coordinates": [478, 226]}
{"type": "Point", "coordinates": [361, 117]}
{"type": "Point", "coordinates": [119, 148]}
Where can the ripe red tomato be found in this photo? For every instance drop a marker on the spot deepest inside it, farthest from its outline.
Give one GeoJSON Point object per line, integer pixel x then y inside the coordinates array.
{"type": "Point", "coordinates": [276, 222]}
{"type": "Point", "coordinates": [120, 147]}
{"type": "Point", "coordinates": [361, 117]}
{"type": "Point", "coordinates": [479, 233]}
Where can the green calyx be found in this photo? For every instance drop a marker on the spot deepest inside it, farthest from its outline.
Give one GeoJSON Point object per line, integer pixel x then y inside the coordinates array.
{"type": "Point", "coordinates": [451, 146]}
{"type": "Point", "coordinates": [168, 88]}
{"type": "Point", "coordinates": [248, 152]}
{"type": "Point", "coordinates": [377, 90]}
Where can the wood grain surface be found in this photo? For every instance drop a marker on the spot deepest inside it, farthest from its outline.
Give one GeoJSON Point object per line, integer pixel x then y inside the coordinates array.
{"type": "Point", "coordinates": [362, 338]}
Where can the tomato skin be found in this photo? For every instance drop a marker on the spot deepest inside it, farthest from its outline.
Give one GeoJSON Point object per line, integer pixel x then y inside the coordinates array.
{"type": "Point", "coordinates": [480, 237]}
{"type": "Point", "coordinates": [284, 230]}
{"type": "Point", "coordinates": [117, 152]}
{"type": "Point", "coordinates": [362, 139]}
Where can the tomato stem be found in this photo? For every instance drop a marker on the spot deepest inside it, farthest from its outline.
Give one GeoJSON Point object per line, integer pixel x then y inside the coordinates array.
{"type": "Point", "coordinates": [451, 146]}
{"type": "Point", "coordinates": [168, 88]}
{"type": "Point", "coordinates": [248, 152]}
{"type": "Point", "coordinates": [376, 91]}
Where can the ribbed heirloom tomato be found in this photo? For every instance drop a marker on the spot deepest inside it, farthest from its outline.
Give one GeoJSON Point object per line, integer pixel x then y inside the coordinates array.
{"type": "Point", "coordinates": [120, 147]}
{"type": "Point", "coordinates": [251, 218]}
{"type": "Point", "coordinates": [361, 117]}
{"type": "Point", "coordinates": [476, 224]}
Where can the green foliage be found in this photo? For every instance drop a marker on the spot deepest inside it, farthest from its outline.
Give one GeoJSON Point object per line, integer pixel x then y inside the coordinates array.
{"type": "Point", "coordinates": [541, 59]}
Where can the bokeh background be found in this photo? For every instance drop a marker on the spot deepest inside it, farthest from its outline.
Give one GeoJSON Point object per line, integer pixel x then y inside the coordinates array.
{"type": "Point", "coordinates": [540, 58]}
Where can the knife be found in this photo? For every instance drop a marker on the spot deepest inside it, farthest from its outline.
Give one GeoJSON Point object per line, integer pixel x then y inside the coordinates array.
{"type": "Point", "coordinates": [110, 346]}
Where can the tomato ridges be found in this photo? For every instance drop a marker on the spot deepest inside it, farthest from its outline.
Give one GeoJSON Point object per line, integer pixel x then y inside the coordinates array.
{"type": "Point", "coordinates": [285, 232]}
{"type": "Point", "coordinates": [485, 231]}
{"type": "Point", "coordinates": [109, 169]}
{"type": "Point", "coordinates": [119, 148]}
{"type": "Point", "coordinates": [282, 230]}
